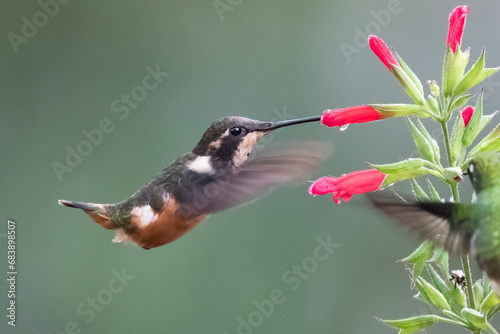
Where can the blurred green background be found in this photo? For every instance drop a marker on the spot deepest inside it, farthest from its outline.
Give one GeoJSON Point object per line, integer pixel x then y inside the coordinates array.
{"type": "Point", "coordinates": [259, 59]}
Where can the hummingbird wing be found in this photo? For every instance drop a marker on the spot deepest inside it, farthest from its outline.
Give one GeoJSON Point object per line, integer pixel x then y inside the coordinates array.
{"type": "Point", "coordinates": [448, 225]}
{"type": "Point", "coordinates": [268, 169]}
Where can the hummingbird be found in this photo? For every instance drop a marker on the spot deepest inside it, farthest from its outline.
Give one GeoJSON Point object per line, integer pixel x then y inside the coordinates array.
{"type": "Point", "coordinates": [218, 174]}
{"type": "Point", "coordinates": [460, 228]}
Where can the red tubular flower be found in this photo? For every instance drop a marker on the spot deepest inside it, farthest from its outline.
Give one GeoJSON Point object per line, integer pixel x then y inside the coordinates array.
{"type": "Point", "coordinates": [344, 187]}
{"type": "Point", "coordinates": [358, 114]}
{"type": "Point", "coordinates": [382, 51]}
{"type": "Point", "coordinates": [467, 114]}
{"type": "Point", "coordinates": [456, 27]}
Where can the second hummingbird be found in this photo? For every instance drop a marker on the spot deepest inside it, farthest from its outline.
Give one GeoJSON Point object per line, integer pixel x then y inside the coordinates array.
{"type": "Point", "coordinates": [460, 228]}
{"type": "Point", "coordinates": [216, 175]}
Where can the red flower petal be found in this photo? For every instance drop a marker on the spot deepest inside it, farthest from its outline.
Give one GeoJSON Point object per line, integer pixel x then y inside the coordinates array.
{"type": "Point", "coordinates": [358, 114]}
{"type": "Point", "coordinates": [382, 51]}
{"type": "Point", "coordinates": [347, 185]}
{"type": "Point", "coordinates": [456, 27]}
{"type": "Point", "coordinates": [323, 185]}
{"type": "Point", "coordinates": [467, 114]}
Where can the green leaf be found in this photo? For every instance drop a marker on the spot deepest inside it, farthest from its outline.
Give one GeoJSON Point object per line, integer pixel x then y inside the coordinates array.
{"type": "Point", "coordinates": [433, 103]}
{"type": "Point", "coordinates": [418, 191]}
{"type": "Point", "coordinates": [411, 75]}
{"type": "Point", "coordinates": [403, 170]}
{"type": "Point", "coordinates": [474, 126]}
{"type": "Point", "coordinates": [409, 86]}
{"type": "Point", "coordinates": [401, 166]}
{"type": "Point", "coordinates": [415, 324]}
{"type": "Point", "coordinates": [456, 139]}
{"type": "Point", "coordinates": [490, 143]}
{"type": "Point", "coordinates": [434, 295]}
{"type": "Point", "coordinates": [489, 302]}
{"type": "Point", "coordinates": [399, 109]}
{"type": "Point", "coordinates": [460, 101]}
{"type": "Point", "coordinates": [418, 259]}
{"type": "Point", "coordinates": [434, 196]}
{"type": "Point", "coordinates": [424, 143]}
{"type": "Point", "coordinates": [475, 75]}
{"type": "Point", "coordinates": [458, 299]}
{"type": "Point", "coordinates": [474, 317]}
{"type": "Point", "coordinates": [478, 292]}
{"type": "Point", "coordinates": [453, 69]}
{"type": "Point", "coordinates": [437, 281]}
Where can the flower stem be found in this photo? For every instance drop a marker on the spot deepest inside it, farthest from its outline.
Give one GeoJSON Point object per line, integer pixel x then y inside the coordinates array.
{"type": "Point", "coordinates": [456, 199]}
{"type": "Point", "coordinates": [468, 280]}
{"type": "Point", "coordinates": [447, 143]}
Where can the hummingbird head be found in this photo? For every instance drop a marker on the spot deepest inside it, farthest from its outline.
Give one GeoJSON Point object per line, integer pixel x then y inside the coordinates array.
{"type": "Point", "coordinates": [482, 171]}
{"type": "Point", "coordinates": [231, 139]}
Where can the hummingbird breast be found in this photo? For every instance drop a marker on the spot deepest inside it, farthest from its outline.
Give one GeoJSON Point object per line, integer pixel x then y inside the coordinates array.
{"type": "Point", "coordinates": [150, 229]}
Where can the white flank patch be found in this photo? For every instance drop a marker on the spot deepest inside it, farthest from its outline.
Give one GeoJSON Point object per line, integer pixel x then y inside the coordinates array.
{"type": "Point", "coordinates": [121, 236]}
{"type": "Point", "coordinates": [145, 214]}
{"type": "Point", "coordinates": [201, 165]}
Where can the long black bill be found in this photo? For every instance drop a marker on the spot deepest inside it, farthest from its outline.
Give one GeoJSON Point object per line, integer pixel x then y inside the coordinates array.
{"type": "Point", "coordinates": [275, 125]}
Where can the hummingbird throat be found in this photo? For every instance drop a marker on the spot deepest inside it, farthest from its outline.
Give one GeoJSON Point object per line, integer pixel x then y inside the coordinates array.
{"type": "Point", "coordinates": [244, 148]}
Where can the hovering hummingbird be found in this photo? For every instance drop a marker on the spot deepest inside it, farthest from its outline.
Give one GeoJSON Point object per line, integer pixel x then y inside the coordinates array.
{"type": "Point", "coordinates": [460, 228]}
{"type": "Point", "coordinates": [217, 174]}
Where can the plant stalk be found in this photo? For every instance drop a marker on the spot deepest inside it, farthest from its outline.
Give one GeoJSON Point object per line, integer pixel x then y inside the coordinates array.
{"type": "Point", "coordinates": [456, 199]}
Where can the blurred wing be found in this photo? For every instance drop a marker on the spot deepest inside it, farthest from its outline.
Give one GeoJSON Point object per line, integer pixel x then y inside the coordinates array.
{"type": "Point", "coordinates": [446, 224]}
{"type": "Point", "coordinates": [270, 168]}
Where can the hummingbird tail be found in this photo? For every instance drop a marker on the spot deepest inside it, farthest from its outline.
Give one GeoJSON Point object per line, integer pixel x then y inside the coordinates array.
{"type": "Point", "coordinates": [96, 211]}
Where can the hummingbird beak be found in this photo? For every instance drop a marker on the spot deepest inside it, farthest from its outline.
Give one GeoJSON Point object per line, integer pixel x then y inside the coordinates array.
{"type": "Point", "coordinates": [270, 126]}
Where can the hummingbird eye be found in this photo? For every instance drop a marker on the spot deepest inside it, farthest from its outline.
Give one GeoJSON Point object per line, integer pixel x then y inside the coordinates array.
{"type": "Point", "coordinates": [470, 170]}
{"type": "Point", "coordinates": [236, 131]}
